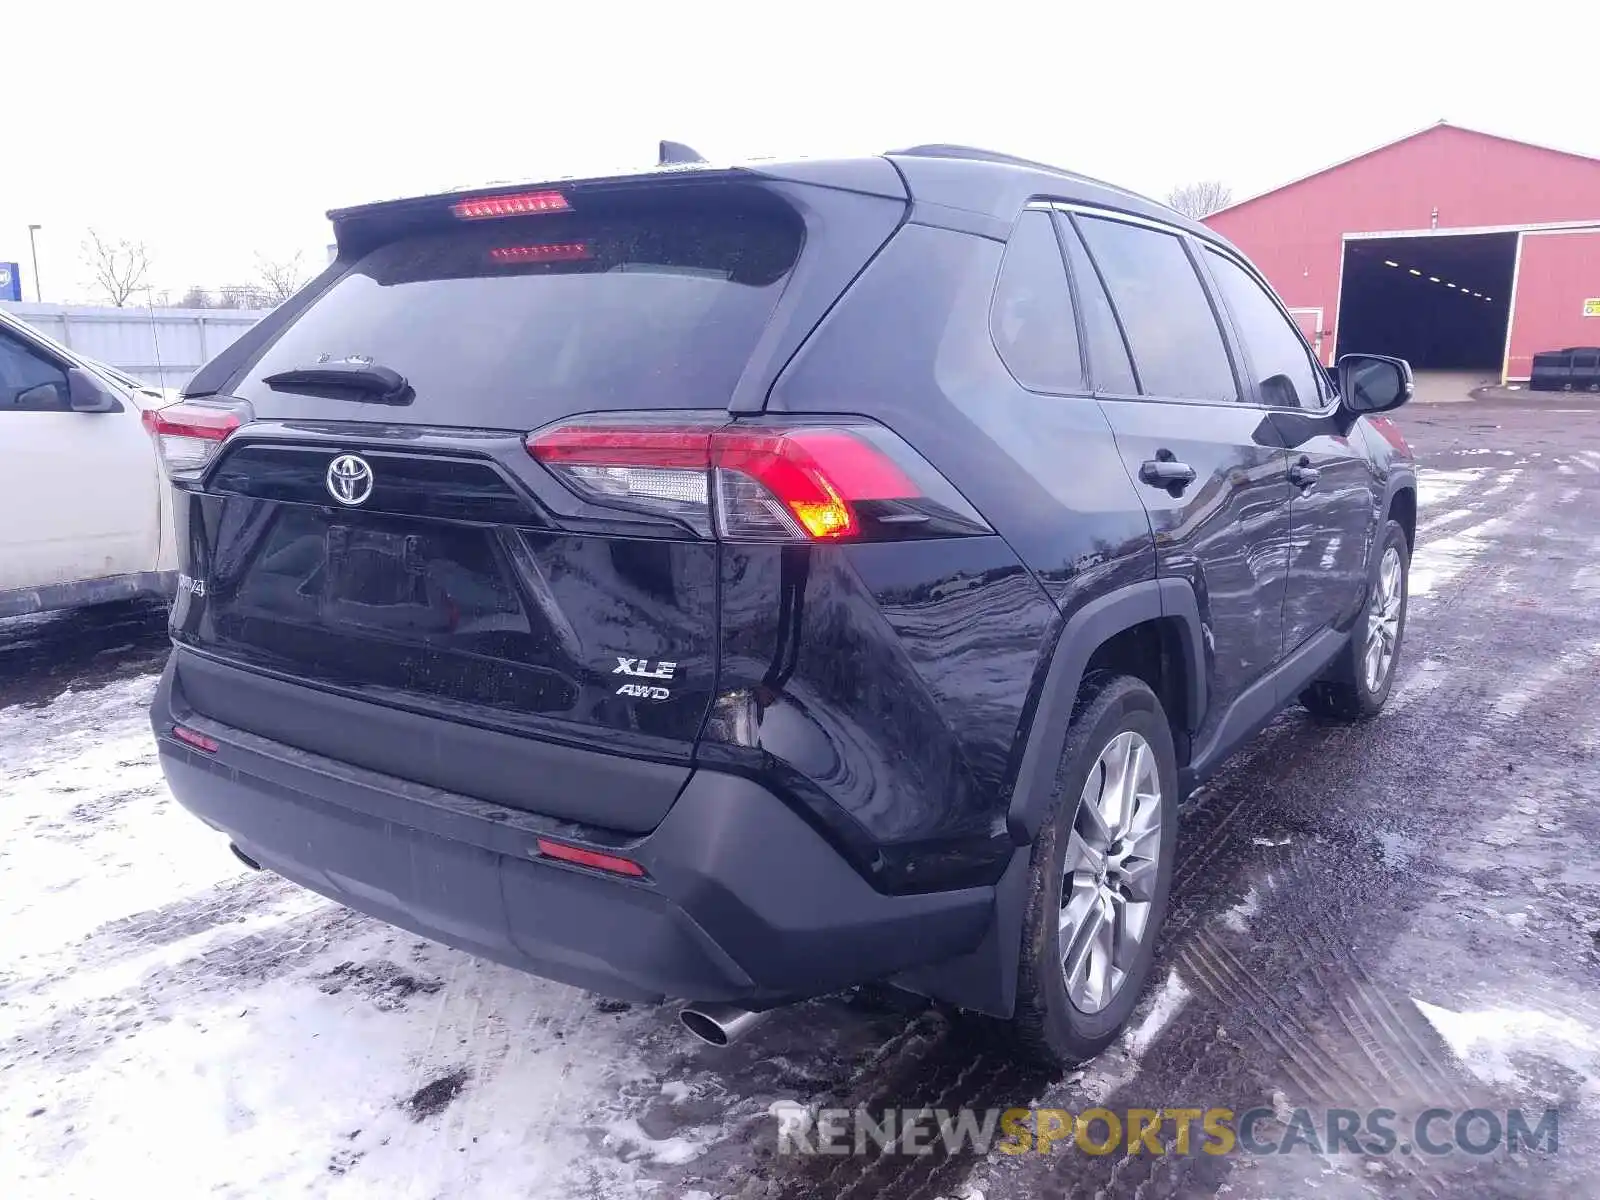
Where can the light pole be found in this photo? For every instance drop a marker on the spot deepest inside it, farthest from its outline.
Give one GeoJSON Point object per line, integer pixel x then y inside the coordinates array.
{"type": "Point", "coordinates": [38, 293]}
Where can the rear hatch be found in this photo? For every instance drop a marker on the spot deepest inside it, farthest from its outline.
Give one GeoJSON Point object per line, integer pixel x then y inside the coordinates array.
{"type": "Point", "coordinates": [377, 527]}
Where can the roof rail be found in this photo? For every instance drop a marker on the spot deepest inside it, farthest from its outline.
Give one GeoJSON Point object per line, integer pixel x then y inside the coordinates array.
{"type": "Point", "coordinates": [943, 150]}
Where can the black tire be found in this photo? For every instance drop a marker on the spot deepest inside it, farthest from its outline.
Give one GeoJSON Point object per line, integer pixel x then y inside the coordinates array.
{"type": "Point", "coordinates": [1344, 693]}
{"type": "Point", "coordinates": [1048, 1024]}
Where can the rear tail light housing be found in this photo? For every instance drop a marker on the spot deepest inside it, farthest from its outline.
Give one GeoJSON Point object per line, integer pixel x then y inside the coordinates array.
{"type": "Point", "coordinates": [189, 434]}
{"type": "Point", "coordinates": [757, 481]}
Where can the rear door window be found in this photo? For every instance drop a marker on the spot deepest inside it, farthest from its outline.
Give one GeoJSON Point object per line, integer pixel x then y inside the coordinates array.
{"type": "Point", "coordinates": [1286, 375]}
{"type": "Point", "coordinates": [1031, 319]}
{"type": "Point", "coordinates": [511, 323]}
{"type": "Point", "coordinates": [1176, 342]}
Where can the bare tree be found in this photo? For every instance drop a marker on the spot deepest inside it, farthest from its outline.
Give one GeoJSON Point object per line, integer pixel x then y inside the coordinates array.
{"type": "Point", "coordinates": [196, 297]}
{"type": "Point", "coordinates": [120, 267]}
{"type": "Point", "coordinates": [1201, 199]}
{"type": "Point", "coordinates": [280, 278]}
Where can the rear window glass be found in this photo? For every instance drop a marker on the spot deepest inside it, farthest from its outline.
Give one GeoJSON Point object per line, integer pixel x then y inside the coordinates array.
{"type": "Point", "coordinates": [512, 323]}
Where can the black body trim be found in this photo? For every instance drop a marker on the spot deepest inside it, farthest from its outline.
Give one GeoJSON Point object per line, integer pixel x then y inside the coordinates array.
{"type": "Point", "coordinates": [743, 902]}
{"type": "Point", "coordinates": [1260, 702]}
{"type": "Point", "coordinates": [1084, 632]}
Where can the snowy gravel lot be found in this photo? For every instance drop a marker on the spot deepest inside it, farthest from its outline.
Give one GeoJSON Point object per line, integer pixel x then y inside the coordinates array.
{"type": "Point", "coordinates": [1404, 914]}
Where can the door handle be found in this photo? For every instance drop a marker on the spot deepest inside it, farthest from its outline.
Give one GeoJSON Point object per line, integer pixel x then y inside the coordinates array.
{"type": "Point", "coordinates": [1303, 474]}
{"type": "Point", "coordinates": [1164, 471]}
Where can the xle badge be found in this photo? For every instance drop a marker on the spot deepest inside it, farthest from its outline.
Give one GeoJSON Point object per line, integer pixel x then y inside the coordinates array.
{"type": "Point", "coordinates": [640, 668]}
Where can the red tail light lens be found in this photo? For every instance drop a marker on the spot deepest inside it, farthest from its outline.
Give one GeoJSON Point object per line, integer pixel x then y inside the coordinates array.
{"type": "Point", "coordinates": [517, 204]}
{"type": "Point", "coordinates": [590, 858]}
{"type": "Point", "coordinates": [757, 482]}
{"type": "Point", "coordinates": [189, 435]}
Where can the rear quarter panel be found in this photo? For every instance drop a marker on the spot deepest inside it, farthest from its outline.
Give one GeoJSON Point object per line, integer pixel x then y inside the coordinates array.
{"type": "Point", "coordinates": [942, 646]}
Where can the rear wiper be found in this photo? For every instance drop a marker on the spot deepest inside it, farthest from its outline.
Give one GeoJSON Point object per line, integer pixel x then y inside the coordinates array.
{"type": "Point", "coordinates": [368, 380]}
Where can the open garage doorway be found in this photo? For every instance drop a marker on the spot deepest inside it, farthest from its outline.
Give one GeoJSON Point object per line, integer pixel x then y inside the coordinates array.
{"type": "Point", "coordinates": [1441, 301]}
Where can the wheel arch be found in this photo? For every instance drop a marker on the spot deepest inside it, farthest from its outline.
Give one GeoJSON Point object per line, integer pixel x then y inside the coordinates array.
{"type": "Point", "coordinates": [1400, 504]}
{"type": "Point", "coordinates": [1169, 605]}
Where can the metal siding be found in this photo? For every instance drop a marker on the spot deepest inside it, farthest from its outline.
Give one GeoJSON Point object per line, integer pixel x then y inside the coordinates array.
{"type": "Point", "coordinates": [1295, 234]}
{"type": "Point", "coordinates": [162, 346]}
{"type": "Point", "coordinates": [1559, 272]}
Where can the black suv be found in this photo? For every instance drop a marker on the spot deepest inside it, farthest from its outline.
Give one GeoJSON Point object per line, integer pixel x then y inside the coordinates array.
{"type": "Point", "coordinates": [739, 584]}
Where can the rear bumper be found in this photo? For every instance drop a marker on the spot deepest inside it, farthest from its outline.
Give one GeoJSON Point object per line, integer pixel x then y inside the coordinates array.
{"type": "Point", "coordinates": [744, 901]}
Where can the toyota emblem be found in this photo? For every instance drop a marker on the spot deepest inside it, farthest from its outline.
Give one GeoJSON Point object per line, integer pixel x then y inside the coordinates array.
{"type": "Point", "coordinates": [350, 479]}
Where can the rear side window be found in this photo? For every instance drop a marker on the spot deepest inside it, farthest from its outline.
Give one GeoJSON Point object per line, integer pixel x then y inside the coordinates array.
{"type": "Point", "coordinates": [1176, 342]}
{"type": "Point", "coordinates": [1279, 357]}
{"type": "Point", "coordinates": [512, 323]}
{"type": "Point", "coordinates": [1109, 365]}
{"type": "Point", "coordinates": [1031, 319]}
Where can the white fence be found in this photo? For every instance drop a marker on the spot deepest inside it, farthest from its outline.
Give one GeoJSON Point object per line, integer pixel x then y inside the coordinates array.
{"type": "Point", "coordinates": [162, 346]}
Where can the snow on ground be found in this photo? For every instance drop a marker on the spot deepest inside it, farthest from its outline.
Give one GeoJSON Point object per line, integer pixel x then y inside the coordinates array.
{"type": "Point", "coordinates": [169, 1020]}
{"type": "Point", "coordinates": [1515, 1048]}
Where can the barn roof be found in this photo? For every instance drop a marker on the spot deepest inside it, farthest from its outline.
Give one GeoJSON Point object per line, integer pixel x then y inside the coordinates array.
{"type": "Point", "coordinates": [1426, 131]}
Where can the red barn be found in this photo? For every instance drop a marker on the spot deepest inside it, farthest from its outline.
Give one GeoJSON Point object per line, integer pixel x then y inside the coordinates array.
{"type": "Point", "coordinates": [1455, 249]}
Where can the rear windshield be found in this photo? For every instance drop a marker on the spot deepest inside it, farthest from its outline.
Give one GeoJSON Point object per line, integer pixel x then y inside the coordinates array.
{"type": "Point", "coordinates": [511, 323]}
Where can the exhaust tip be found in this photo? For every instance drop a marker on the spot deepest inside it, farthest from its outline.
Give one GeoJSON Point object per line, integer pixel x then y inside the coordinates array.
{"type": "Point", "coordinates": [244, 858]}
{"type": "Point", "coordinates": [720, 1024]}
{"type": "Point", "coordinates": [704, 1028]}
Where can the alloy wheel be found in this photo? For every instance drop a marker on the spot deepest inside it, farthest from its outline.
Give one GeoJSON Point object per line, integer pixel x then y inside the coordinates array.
{"type": "Point", "coordinates": [1383, 621]}
{"type": "Point", "coordinates": [1112, 864]}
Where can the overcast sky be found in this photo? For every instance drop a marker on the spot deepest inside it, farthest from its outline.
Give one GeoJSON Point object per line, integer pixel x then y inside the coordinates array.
{"type": "Point", "coordinates": [216, 131]}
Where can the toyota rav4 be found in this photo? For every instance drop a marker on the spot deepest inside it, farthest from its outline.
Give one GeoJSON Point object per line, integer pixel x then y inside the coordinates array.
{"type": "Point", "coordinates": [739, 584]}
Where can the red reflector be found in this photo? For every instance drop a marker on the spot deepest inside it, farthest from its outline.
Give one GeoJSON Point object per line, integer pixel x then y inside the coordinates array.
{"type": "Point", "coordinates": [549, 252]}
{"type": "Point", "coordinates": [191, 420]}
{"type": "Point", "coordinates": [198, 740]}
{"type": "Point", "coordinates": [589, 858]}
{"type": "Point", "coordinates": [518, 204]}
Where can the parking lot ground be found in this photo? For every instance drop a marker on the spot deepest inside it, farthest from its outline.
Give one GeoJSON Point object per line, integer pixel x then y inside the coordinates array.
{"type": "Point", "coordinates": [1399, 916]}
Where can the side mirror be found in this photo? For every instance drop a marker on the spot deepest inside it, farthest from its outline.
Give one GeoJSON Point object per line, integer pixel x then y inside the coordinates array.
{"type": "Point", "coordinates": [1374, 383]}
{"type": "Point", "coordinates": [88, 393]}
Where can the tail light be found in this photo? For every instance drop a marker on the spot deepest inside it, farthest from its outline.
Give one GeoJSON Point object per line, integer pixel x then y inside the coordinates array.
{"type": "Point", "coordinates": [761, 482]}
{"type": "Point", "coordinates": [188, 435]}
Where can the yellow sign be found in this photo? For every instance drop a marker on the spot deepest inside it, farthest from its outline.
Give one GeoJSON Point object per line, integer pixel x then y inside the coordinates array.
{"type": "Point", "coordinates": [1591, 307]}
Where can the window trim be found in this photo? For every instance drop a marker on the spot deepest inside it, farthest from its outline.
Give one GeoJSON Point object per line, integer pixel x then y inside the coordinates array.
{"type": "Point", "coordinates": [1218, 315]}
{"type": "Point", "coordinates": [1318, 371]}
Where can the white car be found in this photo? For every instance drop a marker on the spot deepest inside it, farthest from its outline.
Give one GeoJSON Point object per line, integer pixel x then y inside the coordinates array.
{"type": "Point", "coordinates": [85, 508]}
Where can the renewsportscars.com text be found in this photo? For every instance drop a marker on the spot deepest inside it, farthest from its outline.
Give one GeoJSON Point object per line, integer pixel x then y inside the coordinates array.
{"type": "Point", "coordinates": [1178, 1131]}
